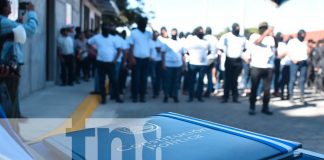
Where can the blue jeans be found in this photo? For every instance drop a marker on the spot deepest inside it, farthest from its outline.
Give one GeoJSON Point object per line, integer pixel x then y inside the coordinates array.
{"type": "Point", "coordinates": [246, 75]}
{"type": "Point", "coordinates": [302, 67]}
{"type": "Point", "coordinates": [117, 73]}
{"type": "Point", "coordinates": [193, 70]}
{"type": "Point", "coordinates": [171, 82]}
{"type": "Point", "coordinates": [155, 72]}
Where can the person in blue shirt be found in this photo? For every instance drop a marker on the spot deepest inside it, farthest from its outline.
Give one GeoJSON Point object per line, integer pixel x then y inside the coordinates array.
{"type": "Point", "coordinates": [12, 50]}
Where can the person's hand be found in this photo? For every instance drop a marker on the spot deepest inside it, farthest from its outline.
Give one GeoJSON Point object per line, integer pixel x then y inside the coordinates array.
{"type": "Point", "coordinates": [4, 71]}
{"type": "Point", "coordinates": [163, 66]}
{"type": "Point", "coordinates": [269, 31]}
{"type": "Point", "coordinates": [31, 7]}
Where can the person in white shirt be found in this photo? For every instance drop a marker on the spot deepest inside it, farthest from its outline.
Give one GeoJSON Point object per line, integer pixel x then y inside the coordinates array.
{"type": "Point", "coordinates": [66, 56]}
{"type": "Point", "coordinates": [156, 64]}
{"type": "Point", "coordinates": [233, 45]}
{"type": "Point", "coordinates": [198, 50]}
{"type": "Point", "coordinates": [140, 56]}
{"type": "Point", "coordinates": [284, 68]}
{"type": "Point", "coordinates": [106, 45]}
{"type": "Point", "coordinates": [297, 52]}
{"type": "Point", "coordinates": [212, 40]}
{"type": "Point", "coordinates": [124, 68]}
{"type": "Point", "coordinates": [173, 63]}
{"type": "Point", "coordinates": [262, 63]}
{"type": "Point", "coordinates": [118, 65]}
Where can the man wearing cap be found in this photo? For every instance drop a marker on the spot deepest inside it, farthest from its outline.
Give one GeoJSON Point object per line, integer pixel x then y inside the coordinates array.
{"type": "Point", "coordinates": [233, 45]}
{"type": "Point", "coordinates": [297, 51]}
{"type": "Point", "coordinates": [261, 60]}
{"type": "Point", "coordinates": [12, 50]}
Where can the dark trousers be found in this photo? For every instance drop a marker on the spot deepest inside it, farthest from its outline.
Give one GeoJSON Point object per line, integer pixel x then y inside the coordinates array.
{"type": "Point", "coordinates": [171, 81]}
{"type": "Point", "coordinates": [67, 74]}
{"type": "Point", "coordinates": [186, 77]}
{"type": "Point", "coordinates": [9, 97]}
{"type": "Point", "coordinates": [302, 67]}
{"type": "Point", "coordinates": [277, 75]}
{"type": "Point", "coordinates": [139, 78]}
{"type": "Point", "coordinates": [86, 68]}
{"type": "Point", "coordinates": [284, 80]}
{"type": "Point", "coordinates": [256, 75]}
{"type": "Point", "coordinates": [233, 68]}
{"type": "Point", "coordinates": [107, 68]}
{"type": "Point", "coordinates": [123, 77]}
{"type": "Point", "coordinates": [196, 89]}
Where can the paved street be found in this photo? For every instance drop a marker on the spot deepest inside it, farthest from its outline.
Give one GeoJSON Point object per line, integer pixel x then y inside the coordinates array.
{"type": "Point", "coordinates": [298, 123]}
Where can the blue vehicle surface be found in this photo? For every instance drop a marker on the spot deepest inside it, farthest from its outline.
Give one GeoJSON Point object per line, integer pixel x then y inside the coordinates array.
{"type": "Point", "coordinates": [170, 136]}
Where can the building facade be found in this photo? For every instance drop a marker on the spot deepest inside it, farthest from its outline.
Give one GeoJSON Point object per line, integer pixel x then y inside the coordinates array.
{"type": "Point", "coordinates": [41, 65]}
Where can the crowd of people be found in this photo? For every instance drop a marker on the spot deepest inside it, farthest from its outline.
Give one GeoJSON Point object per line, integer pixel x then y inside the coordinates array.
{"type": "Point", "coordinates": [264, 62]}
{"type": "Point", "coordinates": [197, 63]}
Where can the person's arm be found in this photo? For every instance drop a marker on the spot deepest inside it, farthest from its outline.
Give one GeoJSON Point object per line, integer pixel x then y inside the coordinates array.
{"type": "Point", "coordinates": [32, 21]}
{"type": "Point", "coordinates": [268, 32]}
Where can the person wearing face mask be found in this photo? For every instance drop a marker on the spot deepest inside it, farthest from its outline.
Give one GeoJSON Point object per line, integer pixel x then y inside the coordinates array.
{"type": "Point", "coordinates": [198, 49]}
{"type": "Point", "coordinates": [261, 60]}
{"type": "Point", "coordinates": [140, 57]}
{"type": "Point", "coordinates": [108, 50]}
{"type": "Point", "coordinates": [174, 34]}
{"type": "Point", "coordinates": [297, 52]}
{"type": "Point", "coordinates": [233, 45]}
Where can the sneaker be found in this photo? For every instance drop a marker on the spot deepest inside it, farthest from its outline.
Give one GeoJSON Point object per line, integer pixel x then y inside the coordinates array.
{"type": "Point", "coordinates": [119, 101]}
{"type": "Point", "coordinates": [267, 112]}
{"type": "Point", "coordinates": [252, 112]}
{"type": "Point", "coordinates": [200, 100]}
{"type": "Point", "coordinates": [103, 101]}
{"type": "Point", "coordinates": [165, 100]}
{"type": "Point", "coordinates": [236, 101]}
{"type": "Point", "coordinates": [190, 100]}
{"type": "Point", "coordinates": [224, 101]}
{"type": "Point", "coordinates": [175, 99]}
{"type": "Point", "coordinates": [142, 100]}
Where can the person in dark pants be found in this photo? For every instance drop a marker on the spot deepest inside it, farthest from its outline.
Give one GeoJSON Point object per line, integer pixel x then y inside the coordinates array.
{"type": "Point", "coordinates": [66, 56]}
{"type": "Point", "coordinates": [284, 67]}
{"type": "Point", "coordinates": [198, 50]}
{"type": "Point", "coordinates": [140, 56]}
{"type": "Point", "coordinates": [233, 45]}
{"type": "Point", "coordinates": [173, 63]}
{"type": "Point", "coordinates": [106, 45]}
{"type": "Point", "coordinates": [156, 64]}
{"type": "Point", "coordinates": [262, 64]}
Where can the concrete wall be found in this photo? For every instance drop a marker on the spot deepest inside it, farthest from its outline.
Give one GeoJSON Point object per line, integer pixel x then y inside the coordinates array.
{"type": "Point", "coordinates": [33, 71]}
{"type": "Point", "coordinates": [41, 63]}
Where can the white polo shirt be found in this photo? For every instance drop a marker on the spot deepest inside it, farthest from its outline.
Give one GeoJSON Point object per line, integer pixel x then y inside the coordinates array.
{"type": "Point", "coordinates": [232, 45]}
{"type": "Point", "coordinates": [141, 42]}
{"type": "Point", "coordinates": [297, 50]}
{"type": "Point", "coordinates": [282, 48]}
{"type": "Point", "coordinates": [262, 56]}
{"type": "Point", "coordinates": [198, 50]}
{"type": "Point", "coordinates": [106, 47]}
{"type": "Point", "coordinates": [123, 46]}
{"type": "Point", "coordinates": [173, 51]}
{"type": "Point", "coordinates": [153, 46]}
{"type": "Point", "coordinates": [212, 40]}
